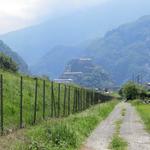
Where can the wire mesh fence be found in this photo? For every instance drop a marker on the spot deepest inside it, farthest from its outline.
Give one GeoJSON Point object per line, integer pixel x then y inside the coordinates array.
{"type": "Point", "coordinates": [26, 101]}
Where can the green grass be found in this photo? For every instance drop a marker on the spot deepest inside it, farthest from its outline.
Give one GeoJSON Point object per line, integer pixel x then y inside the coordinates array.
{"type": "Point", "coordinates": [63, 134]}
{"type": "Point", "coordinates": [118, 143]}
{"type": "Point", "coordinates": [11, 93]}
{"type": "Point", "coordinates": [123, 112]}
{"type": "Point", "coordinates": [118, 126]}
{"type": "Point", "coordinates": [144, 112]}
{"type": "Point", "coordinates": [11, 90]}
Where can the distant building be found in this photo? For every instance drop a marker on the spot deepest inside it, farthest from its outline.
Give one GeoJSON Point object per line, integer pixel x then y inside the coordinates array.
{"type": "Point", "coordinates": [85, 59]}
{"type": "Point", "coordinates": [148, 84]}
{"type": "Point", "coordinates": [63, 80]}
{"type": "Point", "coordinates": [73, 73]}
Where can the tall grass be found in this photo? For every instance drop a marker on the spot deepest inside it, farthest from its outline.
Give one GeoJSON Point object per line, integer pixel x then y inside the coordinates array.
{"type": "Point", "coordinates": [64, 134]}
{"type": "Point", "coordinates": [118, 143]}
{"type": "Point", "coordinates": [11, 104]}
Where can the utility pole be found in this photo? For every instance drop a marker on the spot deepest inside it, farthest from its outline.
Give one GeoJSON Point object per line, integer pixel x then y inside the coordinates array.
{"type": "Point", "coordinates": [133, 77]}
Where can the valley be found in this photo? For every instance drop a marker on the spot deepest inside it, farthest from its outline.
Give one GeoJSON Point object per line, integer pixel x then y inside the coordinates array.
{"type": "Point", "coordinates": [74, 75]}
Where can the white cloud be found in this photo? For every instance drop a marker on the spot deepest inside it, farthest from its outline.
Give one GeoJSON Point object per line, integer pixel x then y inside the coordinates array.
{"type": "Point", "coordinates": [16, 14]}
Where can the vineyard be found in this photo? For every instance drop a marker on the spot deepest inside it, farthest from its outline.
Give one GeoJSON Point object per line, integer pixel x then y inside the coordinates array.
{"type": "Point", "coordinates": [26, 101]}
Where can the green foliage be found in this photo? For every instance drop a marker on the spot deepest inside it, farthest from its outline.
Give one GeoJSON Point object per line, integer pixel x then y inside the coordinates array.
{"type": "Point", "coordinates": [22, 66]}
{"type": "Point", "coordinates": [131, 91]}
{"type": "Point", "coordinates": [11, 97]}
{"type": "Point", "coordinates": [62, 136]}
{"type": "Point", "coordinates": [6, 63]}
{"type": "Point", "coordinates": [68, 133]}
{"type": "Point", "coordinates": [144, 111]}
{"type": "Point", "coordinates": [118, 143]}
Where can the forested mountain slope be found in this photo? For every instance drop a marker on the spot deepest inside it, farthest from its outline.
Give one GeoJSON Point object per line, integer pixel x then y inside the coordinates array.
{"type": "Point", "coordinates": [125, 50]}
{"type": "Point", "coordinates": [7, 51]}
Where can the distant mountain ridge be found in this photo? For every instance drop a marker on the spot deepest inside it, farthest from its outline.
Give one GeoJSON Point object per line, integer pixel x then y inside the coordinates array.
{"type": "Point", "coordinates": [52, 64]}
{"type": "Point", "coordinates": [37, 40]}
{"type": "Point", "coordinates": [23, 67]}
{"type": "Point", "coordinates": [124, 51]}
{"type": "Point", "coordinates": [33, 42]}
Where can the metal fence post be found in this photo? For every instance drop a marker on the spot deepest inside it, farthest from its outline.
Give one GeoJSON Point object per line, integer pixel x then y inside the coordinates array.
{"type": "Point", "coordinates": [35, 102]}
{"type": "Point", "coordinates": [21, 97]}
{"type": "Point", "coordinates": [52, 100]}
{"type": "Point", "coordinates": [69, 101]}
{"type": "Point", "coordinates": [59, 86]}
{"type": "Point", "coordinates": [65, 94]}
{"type": "Point", "coordinates": [43, 99]}
{"type": "Point", "coordinates": [74, 100]}
{"type": "Point", "coordinates": [1, 98]}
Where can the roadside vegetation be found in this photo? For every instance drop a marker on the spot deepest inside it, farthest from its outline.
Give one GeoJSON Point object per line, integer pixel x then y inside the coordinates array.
{"type": "Point", "coordinates": [131, 91]}
{"type": "Point", "coordinates": [123, 112]}
{"type": "Point", "coordinates": [144, 111]}
{"type": "Point", "coordinates": [6, 63]}
{"type": "Point", "coordinates": [56, 101]}
{"type": "Point", "coordinates": [118, 143]}
{"type": "Point", "coordinates": [62, 134]}
{"type": "Point", "coordinates": [139, 97]}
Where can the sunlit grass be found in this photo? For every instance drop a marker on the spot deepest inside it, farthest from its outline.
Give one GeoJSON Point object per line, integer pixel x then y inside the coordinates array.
{"type": "Point", "coordinates": [144, 112]}
{"type": "Point", "coordinates": [117, 142]}
{"type": "Point", "coordinates": [65, 134]}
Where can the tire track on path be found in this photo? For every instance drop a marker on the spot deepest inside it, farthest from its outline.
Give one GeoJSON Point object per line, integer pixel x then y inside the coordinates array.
{"type": "Point", "coordinates": [132, 130]}
{"type": "Point", "coordinates": [101, 136]}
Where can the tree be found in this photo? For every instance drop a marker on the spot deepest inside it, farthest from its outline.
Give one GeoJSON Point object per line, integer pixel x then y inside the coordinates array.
{"type": "Point", "coordinates": [131, 91]}
{"type": "Point", "coordinates": [6, 63]}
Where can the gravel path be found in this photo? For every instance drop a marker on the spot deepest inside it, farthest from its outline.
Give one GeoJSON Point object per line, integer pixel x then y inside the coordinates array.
{"type": "Point", "coordinates": [132, 130]}
{"type": "Point", "coordinates": [101, 137]}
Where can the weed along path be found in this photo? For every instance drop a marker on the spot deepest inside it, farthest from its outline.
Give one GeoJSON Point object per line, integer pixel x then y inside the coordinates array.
{"type": "Point", "coordinates": [128, 134]}
{"type": "Point", "coordinates": [101, 137]}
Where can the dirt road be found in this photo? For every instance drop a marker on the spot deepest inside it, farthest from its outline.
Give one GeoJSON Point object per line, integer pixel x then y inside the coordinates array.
{"type": "Point", "coordinates": [132, 130]}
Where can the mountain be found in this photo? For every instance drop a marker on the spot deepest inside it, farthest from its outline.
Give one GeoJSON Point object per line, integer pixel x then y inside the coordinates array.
{"type": "Point", "coordinates": [85, 73]}
{"type": "Point", "coordinates": [53, 63]}
{"type": "Point", "coordinates": [124, 51]}
{"type": "Point", "coordinates": [7, 51]}
{"type": "Point", "coordinates": [33, 42]}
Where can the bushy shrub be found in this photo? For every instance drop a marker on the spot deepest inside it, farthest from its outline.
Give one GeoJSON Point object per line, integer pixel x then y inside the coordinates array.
{"type": "Point", "coordinates": [131, 91]}
{"type": "Point", "coordinates": [62, 136]}
{"type": "Point", "coordinates": [6, 63]}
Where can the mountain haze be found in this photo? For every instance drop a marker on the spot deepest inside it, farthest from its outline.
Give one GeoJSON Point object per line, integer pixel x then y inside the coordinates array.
{"type": "Point", "coordinates": [52, 64]}
{"type": "Point", "coordinates": [122, 52]}
{"type": "Point", "coordinates": [33, 42]}
{"type": "Point", "coordinates": [47, 47]}
{"type": "Point", "coordinates": [125, 50]}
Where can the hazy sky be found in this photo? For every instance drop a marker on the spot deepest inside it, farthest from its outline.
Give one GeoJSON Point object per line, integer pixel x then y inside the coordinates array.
{"type": "Point", "coordinates": [15, 14]}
